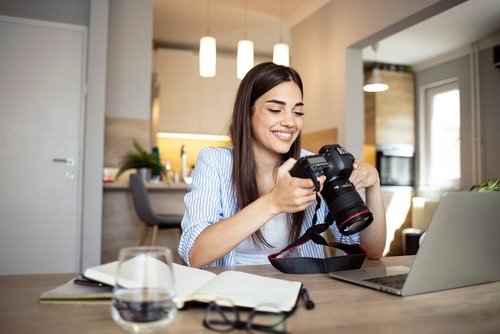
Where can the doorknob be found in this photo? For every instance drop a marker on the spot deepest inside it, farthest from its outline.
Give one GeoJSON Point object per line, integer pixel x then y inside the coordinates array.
{"type": "Point", "coordinates": [68, 161]}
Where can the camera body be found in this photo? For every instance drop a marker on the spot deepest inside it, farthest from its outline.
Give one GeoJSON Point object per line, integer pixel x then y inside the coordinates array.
{"type": "Point", "coordinates": [347, 209]}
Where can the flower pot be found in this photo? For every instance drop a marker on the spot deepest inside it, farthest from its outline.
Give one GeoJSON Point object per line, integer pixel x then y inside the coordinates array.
{"type": "Point", "coordinates": [145, 174]}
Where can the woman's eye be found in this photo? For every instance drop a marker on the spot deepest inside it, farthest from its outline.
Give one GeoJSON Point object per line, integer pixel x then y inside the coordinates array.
{"type": "Point", "coordinates": [274, 110]}
{"type": "Point", "coordinates": [299, 113]}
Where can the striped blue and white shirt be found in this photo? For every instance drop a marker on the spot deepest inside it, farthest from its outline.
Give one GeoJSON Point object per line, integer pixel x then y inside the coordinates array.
{"type": "Point", "coordinates": [212, 198]}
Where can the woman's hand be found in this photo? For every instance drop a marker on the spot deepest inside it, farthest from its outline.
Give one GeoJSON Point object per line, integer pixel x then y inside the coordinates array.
{"type": "Point", "coordinates": [292, 194]}
{"type": "Point", "coordinates": [364, 175]}
{"type": "Point", "coordinates": [374, 236]}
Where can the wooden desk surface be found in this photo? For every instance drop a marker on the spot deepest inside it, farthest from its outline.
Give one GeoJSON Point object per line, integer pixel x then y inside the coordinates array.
{"type": "Point", "coordinates": [340, 308]}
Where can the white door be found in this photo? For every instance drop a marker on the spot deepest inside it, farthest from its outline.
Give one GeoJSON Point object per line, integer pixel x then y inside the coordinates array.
{"type": "Point", "coordinates": [42, 66]}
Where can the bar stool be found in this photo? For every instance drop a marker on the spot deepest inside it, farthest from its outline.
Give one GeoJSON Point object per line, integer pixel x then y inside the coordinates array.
{"type": "Point", "coordinates": [145, 212]}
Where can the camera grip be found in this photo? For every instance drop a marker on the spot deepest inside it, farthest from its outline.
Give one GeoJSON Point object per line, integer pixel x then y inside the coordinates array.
{"type": "Point", "coordinates": [302, 170]}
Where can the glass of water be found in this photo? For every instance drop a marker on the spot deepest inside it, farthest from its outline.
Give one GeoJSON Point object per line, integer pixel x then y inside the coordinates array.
{"type": "Point", "coordinates": [144, 299]}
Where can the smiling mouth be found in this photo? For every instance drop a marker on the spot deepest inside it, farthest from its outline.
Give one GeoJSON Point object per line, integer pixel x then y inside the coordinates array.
{"type": "Point", "coordinates": [283, 135]}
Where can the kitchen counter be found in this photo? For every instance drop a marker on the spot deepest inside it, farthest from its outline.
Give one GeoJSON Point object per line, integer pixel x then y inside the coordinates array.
{"type": "Point", "coordinates": [122, 228]}
{"type": "Point", "coordinates": [151, 186]}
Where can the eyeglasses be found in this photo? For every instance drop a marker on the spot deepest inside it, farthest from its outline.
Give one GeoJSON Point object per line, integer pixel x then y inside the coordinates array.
{"type": "Point", "coordinates": [224, 316]}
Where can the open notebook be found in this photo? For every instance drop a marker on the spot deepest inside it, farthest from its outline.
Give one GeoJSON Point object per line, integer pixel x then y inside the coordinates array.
{"type": "Point", "coordinates": [460, 248]}
{"type": "Point", "coordinates": [197, 285]}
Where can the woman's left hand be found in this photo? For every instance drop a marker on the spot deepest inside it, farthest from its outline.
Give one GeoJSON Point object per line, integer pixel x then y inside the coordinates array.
{"type": "Point", "coordinates": [364, 175]}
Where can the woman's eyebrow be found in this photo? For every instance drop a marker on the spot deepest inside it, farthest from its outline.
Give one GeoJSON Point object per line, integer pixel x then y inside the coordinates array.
{"type": "Point", "coordinates": [298, 104]}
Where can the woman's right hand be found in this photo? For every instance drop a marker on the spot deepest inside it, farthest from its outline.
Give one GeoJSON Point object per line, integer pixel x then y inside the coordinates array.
{"type": "Point", "coordinates": [292, 194]}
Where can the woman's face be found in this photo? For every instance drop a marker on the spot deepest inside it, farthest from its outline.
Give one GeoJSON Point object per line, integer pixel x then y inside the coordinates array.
{"type": "Point", "coordinates": [277, 119]}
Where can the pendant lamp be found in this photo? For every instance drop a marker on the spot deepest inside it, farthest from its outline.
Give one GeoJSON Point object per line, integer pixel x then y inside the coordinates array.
{"type": "Point", "coordinates": [375, 83]}
{"type": "Point", "coordinates": [244, 57]}
{"type": "Point", "coordinates": [281, 54]}
{"type": "Point", "coordinates": [207, 55]}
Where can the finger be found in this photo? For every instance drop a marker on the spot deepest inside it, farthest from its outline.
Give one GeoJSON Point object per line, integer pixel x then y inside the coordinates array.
{"type": "Point", "coordinates": [287, 165]}
{"type": "Point", "coordinates": [301, 183]}
{"type": "Point", "coordinates": [356, 179]}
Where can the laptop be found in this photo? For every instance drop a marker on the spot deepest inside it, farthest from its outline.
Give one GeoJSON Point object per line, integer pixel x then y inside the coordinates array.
{"type": "Point", "coordinates": [461, 248]}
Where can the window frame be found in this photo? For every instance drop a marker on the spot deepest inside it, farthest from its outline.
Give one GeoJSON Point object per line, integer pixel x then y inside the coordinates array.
{"type": "Point", "coordinates": [427, 92]}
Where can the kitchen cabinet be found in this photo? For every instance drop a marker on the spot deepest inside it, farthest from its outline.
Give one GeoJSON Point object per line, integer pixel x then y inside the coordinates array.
{"type": "Point", "coordinates": [188, 102]}
{"type": "Point", "coordinates": [390, 115]}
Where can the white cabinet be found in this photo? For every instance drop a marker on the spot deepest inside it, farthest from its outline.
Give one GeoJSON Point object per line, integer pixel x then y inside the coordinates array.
{"type": "Point", "coordinates": [190, 103]}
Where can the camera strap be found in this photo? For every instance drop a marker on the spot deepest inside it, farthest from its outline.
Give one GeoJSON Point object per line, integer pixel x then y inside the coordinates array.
{"type": "Point", "coordinates": [355, 254]}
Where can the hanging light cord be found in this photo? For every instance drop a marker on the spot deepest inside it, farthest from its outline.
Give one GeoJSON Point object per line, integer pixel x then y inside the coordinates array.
{"type": "Point", "coordinates": [281, 21]}
{"type": "Point", "coordinates": [245, 19]}
{"type": "Point", "coordinates": [207, 19]}
{"type": "Point", "coordinates": [375, 47]}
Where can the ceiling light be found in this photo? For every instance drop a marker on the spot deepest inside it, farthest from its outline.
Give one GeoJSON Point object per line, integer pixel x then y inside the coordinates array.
{"type": "Point", "coordinates": [207, 56]}
{"type": "Point", "coordinates": [375, 83]}
{"type": "Point", "coordinates": [244, 57]}
{"type": "Point", "coordinates": [281, 54]}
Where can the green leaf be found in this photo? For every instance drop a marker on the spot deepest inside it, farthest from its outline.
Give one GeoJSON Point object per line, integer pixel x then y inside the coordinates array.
{"type": "Point", "coordinates": [489, 185]}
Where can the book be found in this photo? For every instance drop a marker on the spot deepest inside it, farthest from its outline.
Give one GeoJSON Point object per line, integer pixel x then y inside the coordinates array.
{"type": "Point", "coordinates": [72, 293]}
{"type": "Point", "coordinates": [198, 285]}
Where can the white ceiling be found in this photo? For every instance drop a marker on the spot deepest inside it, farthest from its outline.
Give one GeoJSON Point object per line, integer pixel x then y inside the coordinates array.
{"type": "Point", "coordinates": [444, 33]}
{"type": "Point", "coordinates": [181, 24]}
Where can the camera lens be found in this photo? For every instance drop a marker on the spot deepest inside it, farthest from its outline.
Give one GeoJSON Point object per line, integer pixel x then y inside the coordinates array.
{"type": "Point", "coordinates": [346, 207]}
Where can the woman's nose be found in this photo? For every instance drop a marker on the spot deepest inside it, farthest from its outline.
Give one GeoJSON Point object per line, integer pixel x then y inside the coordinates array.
{"type": "Point", "coordinates": [287, 119]}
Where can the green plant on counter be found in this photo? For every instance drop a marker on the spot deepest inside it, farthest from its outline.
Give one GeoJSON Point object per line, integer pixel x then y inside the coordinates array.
{"type": "Point", "coordinates": [490, 185]}
{"type": "Point", "coordinates": [138, 158]}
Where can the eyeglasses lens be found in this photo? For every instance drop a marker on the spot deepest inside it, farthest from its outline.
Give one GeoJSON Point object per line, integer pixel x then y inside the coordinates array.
{"type": "Point", "coordinates": [220, 318]}
{"type": "Point", "coordinates": [267, 318]}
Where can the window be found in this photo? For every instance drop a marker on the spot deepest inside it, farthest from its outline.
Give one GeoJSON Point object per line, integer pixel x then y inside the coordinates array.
{"type": "Point", "coordinates": [440, 137]}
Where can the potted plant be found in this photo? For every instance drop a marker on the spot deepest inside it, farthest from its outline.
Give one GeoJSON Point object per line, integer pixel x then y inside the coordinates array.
{"type": "Point", "coordinates": [143, 161]}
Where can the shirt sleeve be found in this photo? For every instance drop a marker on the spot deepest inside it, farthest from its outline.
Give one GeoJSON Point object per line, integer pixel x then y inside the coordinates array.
{"type": "Point", "coordinates": [205, 204]}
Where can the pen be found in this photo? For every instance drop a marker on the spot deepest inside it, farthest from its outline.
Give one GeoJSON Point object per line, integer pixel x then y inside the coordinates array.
{"type": "Point", "coordinates": [82, 280]}
{"type": "Point", "coordinates": [307, 300]}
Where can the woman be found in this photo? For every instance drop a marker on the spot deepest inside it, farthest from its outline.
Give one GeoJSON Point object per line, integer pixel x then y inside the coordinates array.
{"type": "Point", "coordinates": [243, 203]}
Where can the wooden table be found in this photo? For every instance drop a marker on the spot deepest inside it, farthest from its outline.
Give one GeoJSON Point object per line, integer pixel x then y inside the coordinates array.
{"type": "Point", "coordinates": [340, 308]}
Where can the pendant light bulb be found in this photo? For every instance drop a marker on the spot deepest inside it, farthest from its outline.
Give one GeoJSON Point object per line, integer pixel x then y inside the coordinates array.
{"type": "Point", "coordinates": [207, 57]}
{"type": "Point", "coordinates": [281, 54]}
{"type": "Point", "coordinates": [244, 58]}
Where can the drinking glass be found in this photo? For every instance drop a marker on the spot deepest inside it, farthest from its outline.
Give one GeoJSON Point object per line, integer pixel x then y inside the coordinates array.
{"type": "Point", "coordinates": [144, 298]}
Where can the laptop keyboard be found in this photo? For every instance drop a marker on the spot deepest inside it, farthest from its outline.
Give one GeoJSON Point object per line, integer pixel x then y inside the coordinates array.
{"type": "Point", "coordinates": [393, 281]}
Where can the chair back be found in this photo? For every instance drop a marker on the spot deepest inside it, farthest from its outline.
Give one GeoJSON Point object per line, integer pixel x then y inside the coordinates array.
{"type": "Point", "coordinates": [141, 201]}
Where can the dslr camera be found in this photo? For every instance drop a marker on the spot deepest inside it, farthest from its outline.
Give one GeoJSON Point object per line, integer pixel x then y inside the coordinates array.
{"type": "Point", "coordinates": [346, 207]}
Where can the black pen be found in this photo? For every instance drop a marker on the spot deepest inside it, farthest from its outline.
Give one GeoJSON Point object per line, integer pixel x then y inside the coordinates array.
{"type": "Point", "coordinates": [307, 300]}
{"type": "Point", "coordinates": [82, 280]}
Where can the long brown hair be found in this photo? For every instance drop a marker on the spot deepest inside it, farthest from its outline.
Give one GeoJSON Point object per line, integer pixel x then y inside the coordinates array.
{"type": "Point", "coordinates": [256, 82]}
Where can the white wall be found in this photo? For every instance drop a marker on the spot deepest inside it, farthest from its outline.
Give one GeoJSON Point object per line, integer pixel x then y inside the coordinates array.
{"type": "Point", "coordinates": [94, 134]}
{"type": "Point", "coordinates": [128, 87]}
